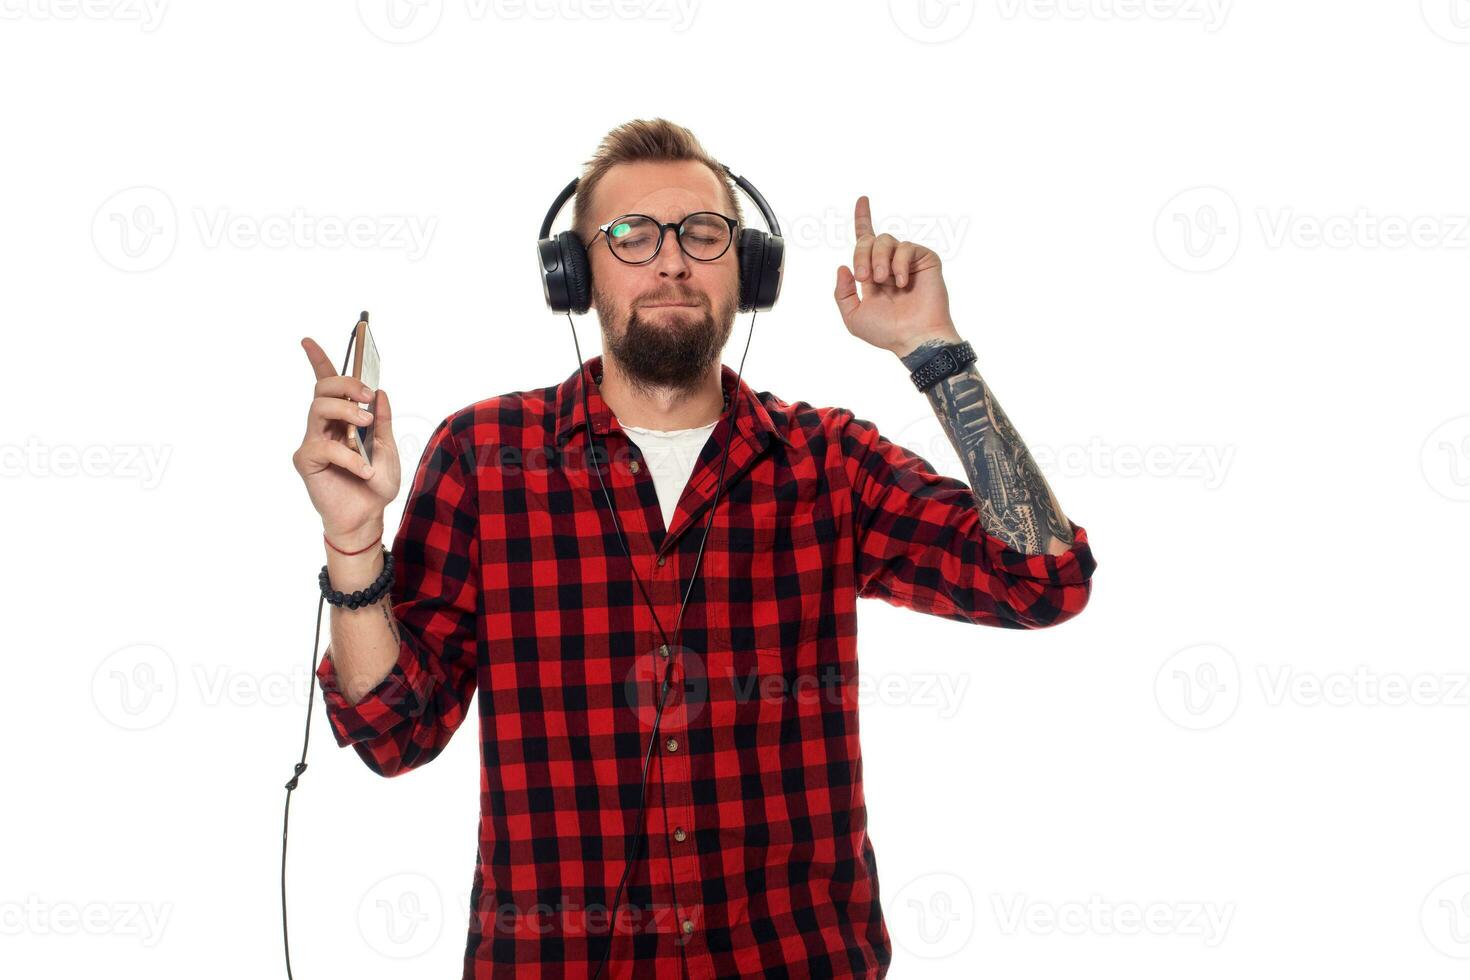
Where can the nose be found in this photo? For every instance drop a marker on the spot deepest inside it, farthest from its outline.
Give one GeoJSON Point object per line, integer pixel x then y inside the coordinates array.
{"type": "Point", "coordinates": [671, 262]}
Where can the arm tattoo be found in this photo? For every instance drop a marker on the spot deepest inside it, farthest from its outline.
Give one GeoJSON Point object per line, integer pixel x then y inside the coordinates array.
{"type": "Point", "coordinates": [387, 608]}
{"type": "Point", "coordinates": [1015, 503]}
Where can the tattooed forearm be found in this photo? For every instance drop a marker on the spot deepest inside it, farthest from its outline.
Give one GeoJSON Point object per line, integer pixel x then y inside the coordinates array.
{"type": "Point", "coordinates": [1015, 503]}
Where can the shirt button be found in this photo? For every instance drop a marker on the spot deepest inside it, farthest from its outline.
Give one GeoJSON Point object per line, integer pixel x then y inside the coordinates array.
{"type": "Point", "coordinates": [672, 745]}
{"type": "Point", "coordinates": [633, 466]}
{"type": "Point", "coordinates": [661, 560]}
{"type": "Point", "coordinates": [679, 834]}
{"type": "Point", "coordinates": [663, 651]}
{"type": "Point", "coordinates": [688, 927]}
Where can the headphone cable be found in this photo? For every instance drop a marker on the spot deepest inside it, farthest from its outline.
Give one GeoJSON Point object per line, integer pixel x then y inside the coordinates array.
{"type": "Point", "coordinates": [678, 622]}
{"type": "Point", "coordinates": [305, 741]}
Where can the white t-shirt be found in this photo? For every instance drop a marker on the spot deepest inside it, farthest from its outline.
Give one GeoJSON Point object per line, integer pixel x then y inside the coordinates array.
{"type": "Point", "coordinates": [671, 455]}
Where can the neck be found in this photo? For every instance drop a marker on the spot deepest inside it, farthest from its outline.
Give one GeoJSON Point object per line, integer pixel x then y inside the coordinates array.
{"type": "Point", "coordinates": [655, 407]}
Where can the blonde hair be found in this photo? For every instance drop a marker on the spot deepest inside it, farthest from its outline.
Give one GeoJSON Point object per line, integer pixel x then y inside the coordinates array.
{"type": "Point", "coordinates": [642, 140]}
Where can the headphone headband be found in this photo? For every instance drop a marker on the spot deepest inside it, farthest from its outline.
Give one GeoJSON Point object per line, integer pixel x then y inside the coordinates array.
{"type": "Point", "coordinates": [767, 215]}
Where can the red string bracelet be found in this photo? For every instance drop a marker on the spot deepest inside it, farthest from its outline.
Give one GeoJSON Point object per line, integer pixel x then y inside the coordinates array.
{"type": "Point", "coordinates": [341, 552]}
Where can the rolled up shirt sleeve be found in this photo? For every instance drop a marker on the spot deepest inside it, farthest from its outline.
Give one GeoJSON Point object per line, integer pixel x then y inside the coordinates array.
{"type": "Point", "coordinates": [408, 717]}
{"type": "Point", "coordinates": [921, 545]}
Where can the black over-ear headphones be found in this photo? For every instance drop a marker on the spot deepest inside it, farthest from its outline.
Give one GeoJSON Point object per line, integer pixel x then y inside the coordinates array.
{"type": "Point", "coordinates": [566, 274]}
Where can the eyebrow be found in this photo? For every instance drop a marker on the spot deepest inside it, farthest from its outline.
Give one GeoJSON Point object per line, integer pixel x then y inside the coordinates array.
{"type": "Point", "coordinates": [623, 214]}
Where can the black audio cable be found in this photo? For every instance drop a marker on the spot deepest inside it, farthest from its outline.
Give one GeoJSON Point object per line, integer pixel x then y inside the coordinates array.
{"type": "Point", "coordinates": [678, 622]}
{"type": "Point", "coordinates": [306, 739]}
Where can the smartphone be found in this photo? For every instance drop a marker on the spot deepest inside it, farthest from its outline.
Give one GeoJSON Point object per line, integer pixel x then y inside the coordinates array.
{"type": "Point", "coordinates": [365, 366]}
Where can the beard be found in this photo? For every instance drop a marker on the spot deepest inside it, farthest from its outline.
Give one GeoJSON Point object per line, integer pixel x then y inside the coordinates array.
{"type": "Point", "coordinates": [668, 349]}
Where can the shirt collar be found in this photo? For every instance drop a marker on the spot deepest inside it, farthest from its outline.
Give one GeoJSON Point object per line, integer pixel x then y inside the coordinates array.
{"type": "Point", "coordinates": [754, 417]}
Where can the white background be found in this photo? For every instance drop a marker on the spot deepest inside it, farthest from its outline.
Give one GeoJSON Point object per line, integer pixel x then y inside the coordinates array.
{"type": "Point", "coordinates": [1213, 258]}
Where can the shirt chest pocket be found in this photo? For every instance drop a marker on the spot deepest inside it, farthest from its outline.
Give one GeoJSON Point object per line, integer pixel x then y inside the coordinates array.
{"type": "Point", "coordinates": [768, 576]}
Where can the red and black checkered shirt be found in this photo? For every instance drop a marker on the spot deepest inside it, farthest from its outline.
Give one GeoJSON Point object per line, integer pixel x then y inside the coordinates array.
{"type": "Point", "coordinates": [511, 581]}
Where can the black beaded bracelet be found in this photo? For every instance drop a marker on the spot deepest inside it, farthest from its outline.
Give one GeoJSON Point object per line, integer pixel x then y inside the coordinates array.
{"type": "Point", "coordinates": [360, 597]}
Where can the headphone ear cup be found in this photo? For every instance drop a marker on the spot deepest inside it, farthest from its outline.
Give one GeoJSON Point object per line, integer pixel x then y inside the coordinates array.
{"type": "Point", "coordinates": [772, 274]}
{"type": "Point", "coordinates": [578, 271]}
{"type": "Point", "coordinates": [752, 261]}
{"type": "Point", "coordinates": [761, 266]}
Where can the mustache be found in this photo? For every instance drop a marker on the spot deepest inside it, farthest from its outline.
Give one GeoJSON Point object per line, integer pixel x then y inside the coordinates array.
{"type": "Point", "coordinates": [692, 299]}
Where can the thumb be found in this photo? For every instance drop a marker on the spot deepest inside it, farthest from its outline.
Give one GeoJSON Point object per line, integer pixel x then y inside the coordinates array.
{"type": "Point", "coordinates": [846, 293]}
{"type": "Point", "coordinates": [382, 416]}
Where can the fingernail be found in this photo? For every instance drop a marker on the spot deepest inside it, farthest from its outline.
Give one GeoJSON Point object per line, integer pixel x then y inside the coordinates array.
{"type": "Point", "coordinates": [364, 416]}
{"type": "Point", "coordinates": [365, 395]}
{"type": "Point", "coordinates": [862, 271]}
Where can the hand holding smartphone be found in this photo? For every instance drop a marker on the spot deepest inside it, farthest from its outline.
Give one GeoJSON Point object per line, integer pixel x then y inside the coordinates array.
{"type": "Point", "coordinates": [348, 458]}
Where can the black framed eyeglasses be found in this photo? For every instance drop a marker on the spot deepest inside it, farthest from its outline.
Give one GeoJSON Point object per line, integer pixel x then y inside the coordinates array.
{"type": "Point", "coordinates": [636, 238]}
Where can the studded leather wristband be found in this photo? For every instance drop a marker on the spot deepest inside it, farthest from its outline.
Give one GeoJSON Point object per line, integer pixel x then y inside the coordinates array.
{"type": "Point", "coordinates": [949, 360]}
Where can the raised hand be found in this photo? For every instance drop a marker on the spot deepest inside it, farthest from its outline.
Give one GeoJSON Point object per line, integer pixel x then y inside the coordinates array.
{"type": "Point", "coordinates": [903, 301]}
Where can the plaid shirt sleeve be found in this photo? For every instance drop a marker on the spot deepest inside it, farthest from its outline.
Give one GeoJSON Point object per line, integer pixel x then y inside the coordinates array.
{"type": "Point", "coordinates": [408, 718]}
{"type": "Point", "coordinates": [921, 545]}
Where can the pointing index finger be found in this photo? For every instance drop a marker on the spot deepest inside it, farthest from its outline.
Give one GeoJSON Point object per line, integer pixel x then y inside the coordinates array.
{"type": "Point", "coordinates": [862, 217]}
